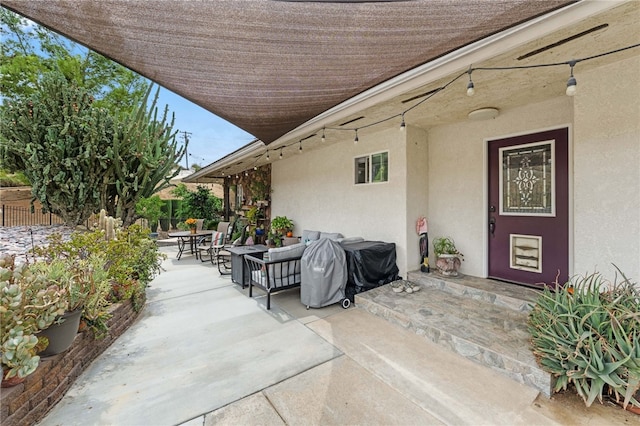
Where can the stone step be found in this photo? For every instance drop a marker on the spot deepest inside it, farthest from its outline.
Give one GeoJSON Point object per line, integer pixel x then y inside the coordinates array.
{"type": "Point", "coordinates": [481, 327]}
{"type": "Point", "coordinates": [512, 296]}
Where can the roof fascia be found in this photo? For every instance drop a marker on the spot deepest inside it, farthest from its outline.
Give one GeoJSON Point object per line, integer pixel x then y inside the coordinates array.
{"type": "Point", "coordinates": [230, 159]}
{"type": "Point", "coordinates": [453, 62]}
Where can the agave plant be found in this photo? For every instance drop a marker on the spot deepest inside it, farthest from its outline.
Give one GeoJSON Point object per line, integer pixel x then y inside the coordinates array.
{"type": "Point", "coordinates": [588, 333]}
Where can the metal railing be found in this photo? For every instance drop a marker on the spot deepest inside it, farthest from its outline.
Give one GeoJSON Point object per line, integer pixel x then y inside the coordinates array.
{"type": "Point", "coordinates": [22, 216]}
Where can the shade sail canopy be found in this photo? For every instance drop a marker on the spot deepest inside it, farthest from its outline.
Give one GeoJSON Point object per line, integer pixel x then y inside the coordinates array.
{"type": "Point", "coordinates": [269, 66]}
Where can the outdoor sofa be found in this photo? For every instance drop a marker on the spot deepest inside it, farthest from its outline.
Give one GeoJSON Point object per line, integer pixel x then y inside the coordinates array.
{"type": "Point", "coordinates": [280, 269]}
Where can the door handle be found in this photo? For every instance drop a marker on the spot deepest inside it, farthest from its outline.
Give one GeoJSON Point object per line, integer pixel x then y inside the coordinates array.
{"type": "Point", "coordinates": [492, 226]}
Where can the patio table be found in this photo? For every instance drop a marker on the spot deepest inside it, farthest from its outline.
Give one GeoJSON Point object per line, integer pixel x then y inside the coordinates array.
{"type": "Point", "coordinates": [239, 269]}
{"type": "Point", "coordinates": [192, 237]}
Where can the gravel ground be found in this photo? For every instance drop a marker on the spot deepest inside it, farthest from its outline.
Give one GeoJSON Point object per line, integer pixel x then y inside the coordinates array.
{"type": "Point", "coordinates": [19, 240]}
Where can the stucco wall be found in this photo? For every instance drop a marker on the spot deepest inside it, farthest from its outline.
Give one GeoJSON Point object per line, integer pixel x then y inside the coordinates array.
{"type": "Point", "coordinates": [417, 188]}
{"type": "Point", "coordinates": [607, 169]}
{"type": "Point", "coordinates": [457, 173]}
{"type": "Point", "coordinates": [442, 173]}
{"type": "Point", "coordinates": [317, 192]}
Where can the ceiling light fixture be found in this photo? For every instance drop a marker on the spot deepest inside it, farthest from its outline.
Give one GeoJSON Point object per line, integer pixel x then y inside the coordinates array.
{"type": "Point", "coordinates": [484, 114]}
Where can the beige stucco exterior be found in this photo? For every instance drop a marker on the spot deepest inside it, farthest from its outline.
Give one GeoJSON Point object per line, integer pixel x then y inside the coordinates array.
{"type": "Point", "coordinates": [441, 173]}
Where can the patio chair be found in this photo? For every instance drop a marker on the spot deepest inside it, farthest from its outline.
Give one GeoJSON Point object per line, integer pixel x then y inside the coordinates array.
{"type": "Point", "coordinates": [217, 241]}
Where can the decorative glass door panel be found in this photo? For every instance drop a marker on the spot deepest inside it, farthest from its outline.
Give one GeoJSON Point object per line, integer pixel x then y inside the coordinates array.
{"type": "Point", "coordinates": [527, 176]}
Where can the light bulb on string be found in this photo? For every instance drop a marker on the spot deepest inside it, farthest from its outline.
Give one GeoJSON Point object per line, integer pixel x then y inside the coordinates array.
{"type": "Point", "coordinates": [571, 83]}
{"type": "Point", "coordinates": [355, 141]}
{"type": "Point", "coordinates": [470, 86]}
{"type": "Point", "coordinates": [280, 153]}
{"type": "Point", "coordinates": [323, 139]}
{"type": "Point", "coordinates": [268, 158]}
{"type": "Point", "coordinates": [402, 125]}
{"type": "Point", "coordinates": [300, 147]}
{"type": "Point", "coordinates": [255, 168]}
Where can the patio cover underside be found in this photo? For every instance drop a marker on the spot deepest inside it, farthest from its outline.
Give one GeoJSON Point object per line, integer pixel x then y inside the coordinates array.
{"type": "Point", "coordinates": [269, 66]}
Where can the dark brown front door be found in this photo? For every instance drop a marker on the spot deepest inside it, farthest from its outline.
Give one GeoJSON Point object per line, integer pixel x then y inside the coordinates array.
{"type": "Point", "coordinates": [529, 208]}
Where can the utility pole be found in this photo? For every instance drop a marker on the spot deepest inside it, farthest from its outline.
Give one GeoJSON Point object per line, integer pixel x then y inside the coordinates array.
{"type": "Point", "coordinates": [185, 138]}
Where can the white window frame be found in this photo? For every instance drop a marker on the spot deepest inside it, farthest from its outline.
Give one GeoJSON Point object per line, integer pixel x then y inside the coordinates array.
{"type": "Point", "coordinates": [368, 165]}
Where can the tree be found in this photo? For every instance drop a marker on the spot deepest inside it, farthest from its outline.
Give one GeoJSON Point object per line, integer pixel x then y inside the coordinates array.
{"type": "Point", "coordinates": [200, 203]}
{"type": "Point", "coordinates": [30, 51]}
{"type": "Point", "coordinates": [61, 142]}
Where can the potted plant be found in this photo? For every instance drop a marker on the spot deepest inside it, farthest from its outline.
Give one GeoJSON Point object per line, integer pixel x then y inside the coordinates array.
{"type": "Point", "coordinates": [280, 226]}
{"type": "Point", "coordinates": [587, 333]}
{"type": "Point", "coordinates": [29, 303]}
{"type": "Point", "coordinates": [192, 224]}
{"type": "Point", "coordinates": [86, 286]}
{"type": "Point", "coordinates": [448, 257]}
{"type": "Point", "coordinates": [150, 209]}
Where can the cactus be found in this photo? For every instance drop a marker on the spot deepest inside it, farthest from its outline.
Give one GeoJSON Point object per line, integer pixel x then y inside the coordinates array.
{"type": "Point", "coordinates": [109, 225]}
{"type": "Point", "coordinates": [60, 141]}
{"type": "Point", "coordinates": [145, 153]}
{"type": "Point", "coordinates": [79, 157]}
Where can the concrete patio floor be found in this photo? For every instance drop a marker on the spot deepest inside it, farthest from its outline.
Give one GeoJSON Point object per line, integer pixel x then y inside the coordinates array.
{"type": "Point", "coordinates": [204, 353]}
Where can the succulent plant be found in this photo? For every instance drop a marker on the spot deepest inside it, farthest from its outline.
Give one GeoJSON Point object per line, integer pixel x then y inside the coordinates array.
{"type": "Point", "coordinates": [588, 333]}
{"type": "Point", "coordinates": [29, 303]}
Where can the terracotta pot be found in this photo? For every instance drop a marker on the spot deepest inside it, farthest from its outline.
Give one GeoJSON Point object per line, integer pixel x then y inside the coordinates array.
{"type": "Point", "coordinates": [448, 265]}
{"type": "Point", "coordinates": [15, 380]}
{"type": "Point", "coordinates": [193, 230]}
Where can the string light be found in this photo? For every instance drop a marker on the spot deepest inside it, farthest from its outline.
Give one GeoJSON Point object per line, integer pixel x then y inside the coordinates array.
{"type": "Point", "coordinates": [571, 83]}
{"type": "Point", "coordinates": [470, 87]}
{"type": "Point", "coordinates": [570, 91]}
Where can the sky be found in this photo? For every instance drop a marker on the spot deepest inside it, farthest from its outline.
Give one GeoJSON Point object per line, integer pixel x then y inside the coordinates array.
{"type": "Point", "coordinates": [211, 137]}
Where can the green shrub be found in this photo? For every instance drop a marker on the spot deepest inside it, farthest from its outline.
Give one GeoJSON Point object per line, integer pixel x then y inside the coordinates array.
{"type": "Point", "coordinates": [588, 333]}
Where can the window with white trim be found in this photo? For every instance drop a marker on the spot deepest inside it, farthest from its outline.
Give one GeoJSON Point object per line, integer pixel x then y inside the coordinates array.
{"type": "Point", "coordinates": [371, 168]}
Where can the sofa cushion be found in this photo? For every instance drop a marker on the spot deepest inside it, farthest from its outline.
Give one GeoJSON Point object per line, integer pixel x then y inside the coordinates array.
{"type": "Point", "coordinates": [331, 235]}
{"type": "Point", "coordinates": [294, 250]}
{"type": "Point", "coordinates": [279, 271]}
{"type": "Point", "coordinates": [310, 235]}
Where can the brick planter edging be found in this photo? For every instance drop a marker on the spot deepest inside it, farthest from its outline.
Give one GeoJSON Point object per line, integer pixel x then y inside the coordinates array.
{"type": "Point", "coordinates": [28, 402]}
